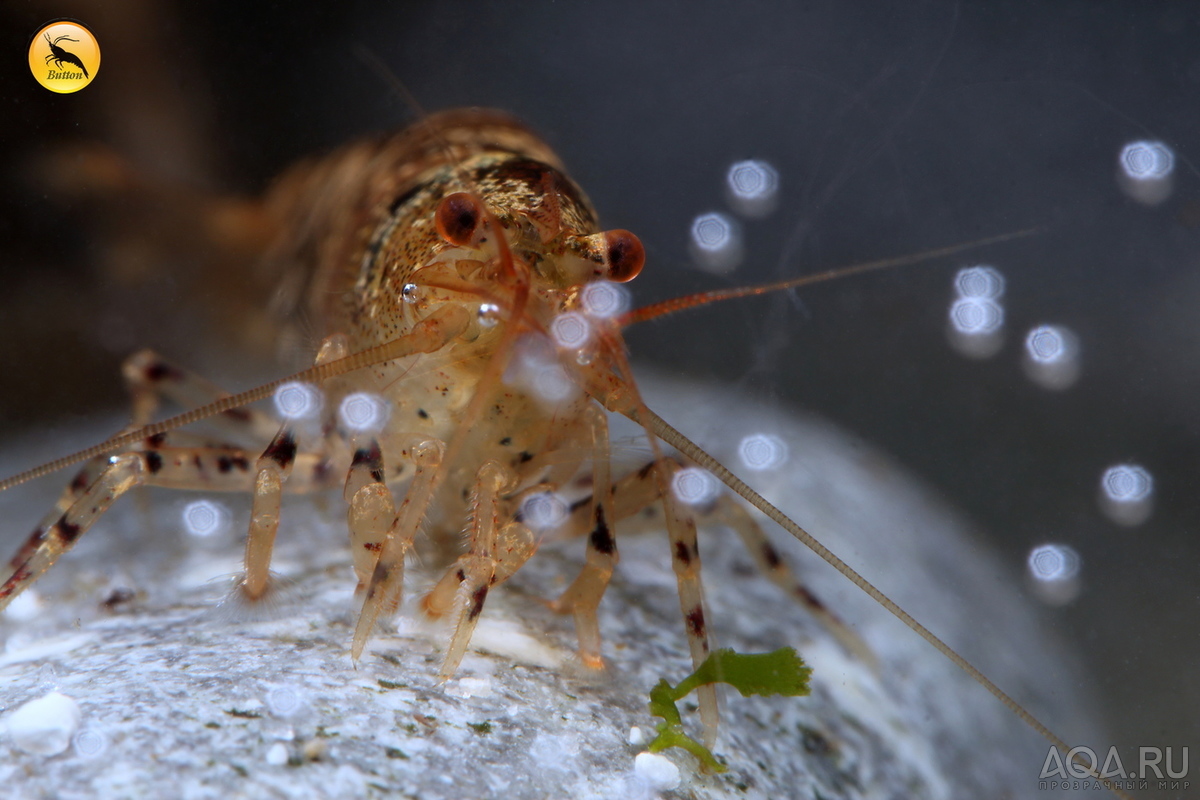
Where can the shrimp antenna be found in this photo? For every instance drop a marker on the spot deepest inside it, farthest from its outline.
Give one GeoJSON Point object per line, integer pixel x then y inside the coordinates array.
{"type": "Point", "coordinates": [368, 57]}
{"type": "Point", "coordinates": [665, 431]}
{"type": "Point", "coordinates": [316, 374]}
{"type": "Point", "coordinates": [704, 298]}
{"type": "Point", "coordinates": [380, 353]}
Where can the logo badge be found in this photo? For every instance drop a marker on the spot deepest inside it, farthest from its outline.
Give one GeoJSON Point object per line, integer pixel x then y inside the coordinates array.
{"type": "Point", "coordinates": [64, 57]}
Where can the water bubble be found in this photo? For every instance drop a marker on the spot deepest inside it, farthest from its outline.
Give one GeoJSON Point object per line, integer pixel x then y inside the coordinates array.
{"type": "Point", "coordinates": [535, 367]}
{"type": "Point", "coordinates": [489, 314]}
{"type": "Point", "coordinates": [1145, 170]}
{"type": "Point", "coordinates": [284, 701]}
{"type": "Point", "coordinates": [604, 299]}
{"type": "Point", "coordinates": [1055, 572]}
{"type": "Point", "coordinates": [552, 383]}
{"type": "Point", "coordinates": [979, 281]}
{"type": "Point", "coordinates": [1127, 483]}
{"type": "Point", "coordinates": [976, 326]}
{"type": "Point", "coordinates": [1147, 161]}
{"type": "Point", "coordinates": [1127, 494]}
{"type": "Point", "coordinates": [716, 242]}
{"type": "Point", "coordinates": [530, 353]}
{"type": "Point", "coordinates": [976, 316]}
{"type": "Point", "coordinates": [1052, 357]}
{"type": "Point", "coordinates": [544, 512]}
{"type": "Point", "coordinates": [411, 293]}
{"type": "Point", "coordinates": [363, 412]}
{"type": "Point", "coordinates": [570, 330]}
{"type": "Point", "coordinates": [752, 187]}
{"type": "Point", "coordinates": [761, 451]}
{"type": "Point", "coordinates": [694, 486]}
{"type": "Point", "coordinates": [1053, 562]}
{"type": "Point", "coordinates": [205, 518]}
{"type": "Point", "coordinates": [47, 678]}
{"type": "Point", "coordinates": [1046, 344]}
{"type": "Point", "coordinates": [297, 401]}
{"type": "Point", "coordinates": [89, 743]}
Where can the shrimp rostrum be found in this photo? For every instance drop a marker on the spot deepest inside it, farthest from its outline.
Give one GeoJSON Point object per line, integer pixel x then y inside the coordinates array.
{"type": "Point", "coordinates": [469, 349]}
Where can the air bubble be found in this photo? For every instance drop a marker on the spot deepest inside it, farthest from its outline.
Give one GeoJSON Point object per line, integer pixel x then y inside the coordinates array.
{"type": "Point", "coordinates": [694, 486]}
{"type": "Point", "coordinates": [544, 511]}
{"type": "Point", "coordinates": [205, 518]}
{"type": "Point", "coordinates": [1127, 494]}
{"type": "Point", "coordinates": [1052, 357]}
{"type": "Point", "coordinates": [362, 412]}
{"type": "Point", "coordinates": [571, 330]}
{"type": "Point", "coordinates": [47, 678]}
{"type": "Point", "coordinates": [716, 242]}
{"type": "Point", "coordinates": [762, 451]}
{"type": "Point", "coordinates": [553, 384]}
{"type": "Point", "coordinates": [1053, 562]}
{"type": "Point", "coordinates": [535, 367]}
{"type": "Point", "coordinates": [976, 326]}
{"type": "Point", "coordinates": [489, 315]}
{"type": "Point", "coordinates": [604, 299]}
{"type": "Point", "coordinates": [979, 281]}
{"type": "Point", "coordinates": [1055, 573]}
{"type": "Point", "coordinates": [976, 316]}
{"type": "Point", "coordinates": [752, 188]}
{"type": "Point", "coordinates": [411, 293]}
{"type": "Point", "coordinates": [297, 401]}
{"type": "Point", "coordinates": [89, 743]}
{"type": "Point", "coordinates": [1147, 161]}
{"type": "Point", "coordinates": [1144, 171]}
{"type": "Point", "coordinates": [284, 702]}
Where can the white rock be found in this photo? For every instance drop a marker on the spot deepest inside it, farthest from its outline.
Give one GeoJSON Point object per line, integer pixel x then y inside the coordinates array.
{"type": "Point", "coordinates": [45, 726]}
{"type": "Point", "coordinates": [470, 687]}
{"type": "Point", "coordinates": [658, 771]}
{"type": "Point", "coordinates": [25, 607]}
{"type": "Point", "coordinates": [277, 756]}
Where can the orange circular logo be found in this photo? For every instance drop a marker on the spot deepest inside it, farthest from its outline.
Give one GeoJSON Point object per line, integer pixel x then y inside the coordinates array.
{"type": "Point", "coordinates": [64, 57]}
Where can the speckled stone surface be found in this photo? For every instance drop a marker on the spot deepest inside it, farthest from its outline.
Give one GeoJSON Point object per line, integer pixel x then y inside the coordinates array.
{"type": "Point", "coordinates": [198, 701]}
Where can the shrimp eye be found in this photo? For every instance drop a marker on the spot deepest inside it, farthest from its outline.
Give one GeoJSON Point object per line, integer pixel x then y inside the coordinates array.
{"type": "Point", "coordinates": [626, 255]}
{"type": "Point", "coordinates": [458, 218]}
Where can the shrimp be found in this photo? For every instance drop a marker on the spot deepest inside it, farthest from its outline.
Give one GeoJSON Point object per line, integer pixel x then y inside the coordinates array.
{"type": "Point", "coordinates": [59, 55]}
{"type": "Point", "coordinates": [469, 318]}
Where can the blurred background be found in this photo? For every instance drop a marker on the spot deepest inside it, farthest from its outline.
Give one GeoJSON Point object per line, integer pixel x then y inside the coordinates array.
{"type": "Point", "coordinates": [893, 128]}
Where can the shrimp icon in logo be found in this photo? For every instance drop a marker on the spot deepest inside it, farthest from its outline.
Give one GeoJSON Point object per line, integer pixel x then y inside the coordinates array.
{"type": "Point", "coordinates": [59, 68]}
{"type": "Point", "coordinates": [58, 55]}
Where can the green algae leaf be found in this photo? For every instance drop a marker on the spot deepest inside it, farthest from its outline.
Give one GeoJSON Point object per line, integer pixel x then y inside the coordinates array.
{"type": "Point", "coordinates": [781, 672]}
